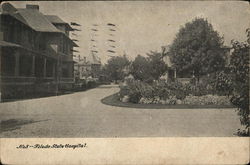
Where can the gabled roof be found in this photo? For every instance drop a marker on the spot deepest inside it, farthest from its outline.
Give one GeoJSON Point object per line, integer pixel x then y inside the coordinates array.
{"type": "Point", "coordinates": [35, 20]}
{"type": "Point", "coordinates": [57, 20]}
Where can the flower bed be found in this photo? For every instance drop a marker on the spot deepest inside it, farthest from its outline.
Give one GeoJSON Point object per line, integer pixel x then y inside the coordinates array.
{"type": "Point", "coordinates": [207, 100]}
{"type": "Point", "coordinates": [171, 93]}
{"type": "Point", "coordinates": [189, 100]}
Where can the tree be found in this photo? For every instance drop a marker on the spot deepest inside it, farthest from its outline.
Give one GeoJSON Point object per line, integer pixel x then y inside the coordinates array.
{"type": "Point", "coordinates": [240, 74]}
{"type": "Point", "coordinates": [157, 65]}
{"type": "Point", "coordinates": [114, 69]}
{"type": "Point", "coordinates": [197, 49]}
{"type": "Point", "coordinates": [148, 68]}
{"type": "Point", "coordinates": [141, 69]}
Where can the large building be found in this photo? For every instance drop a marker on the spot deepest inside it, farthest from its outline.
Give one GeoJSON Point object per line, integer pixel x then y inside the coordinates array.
{"type": "Point", "coordinates": [36, 52]}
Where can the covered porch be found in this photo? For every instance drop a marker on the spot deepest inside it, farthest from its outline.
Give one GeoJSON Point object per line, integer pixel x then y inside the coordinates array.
{"type": "Point", "coordinates": [23, 71]}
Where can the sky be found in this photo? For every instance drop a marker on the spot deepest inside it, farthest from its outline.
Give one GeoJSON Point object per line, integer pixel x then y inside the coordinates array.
{"type": "Point", "coordinates": [142, 26]}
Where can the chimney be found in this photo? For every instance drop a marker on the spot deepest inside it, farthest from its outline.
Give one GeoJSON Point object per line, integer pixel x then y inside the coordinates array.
{"type": "Point", "coordinates": [35, 7]}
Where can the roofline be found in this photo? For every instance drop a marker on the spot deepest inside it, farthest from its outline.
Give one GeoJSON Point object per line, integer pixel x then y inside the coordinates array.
{"type": "Point", "coordinates": [74, 44]}
{"type": "Point", "coordinates": [28, 25]}
{"type": "Point", "coordinates": [69, 27]}
{"type": "Point", "coordinates": [8, 14]}
{"type": "Point", "coordinates": [58, 23]}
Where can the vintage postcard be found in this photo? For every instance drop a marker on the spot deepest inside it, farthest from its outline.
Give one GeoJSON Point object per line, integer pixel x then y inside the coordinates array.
{"type": "Point", "coordinates": [124, 82]}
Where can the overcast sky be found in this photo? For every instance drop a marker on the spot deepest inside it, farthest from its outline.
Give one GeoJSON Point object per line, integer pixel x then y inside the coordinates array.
{"type": "Point", "coordinates": [144, 25]}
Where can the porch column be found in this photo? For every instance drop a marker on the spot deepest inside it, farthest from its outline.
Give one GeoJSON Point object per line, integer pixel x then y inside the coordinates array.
{"type": "Point", "coordinates": [17, 56]}
{"type": "Point", "coordinates": [70, 70]}
{"type": "Point", "coordinates": [44, 67]}
{"type": "Point", "coordinates": [33, 66]}
{"type": "Point", "coordinates": [54, 70]}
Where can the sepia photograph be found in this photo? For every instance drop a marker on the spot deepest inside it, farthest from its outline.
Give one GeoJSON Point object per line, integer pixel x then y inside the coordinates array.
{"type": "Point", "coordinates": [106, 69]}
{"type": "Point", "coordinates": [124, 82]}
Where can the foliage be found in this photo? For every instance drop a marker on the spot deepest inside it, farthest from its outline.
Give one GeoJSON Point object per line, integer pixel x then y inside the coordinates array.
{"type": "Point", "coordinates": [132, 90]}
{"type": "Point", "coordinates": [223, 83]}
{"type": "Point", "coordinates": [197, 48]}
{"type": "Point", "coordinates": [240, 73]}
{"type": "Point", "coordinates": [166, 90]}
{"type": "Point", "coordinates": [141, 69]}
{"type": "Point", "coordinates": [114, 69]}
{"type": "Point", "coordinates": [248, 35]}
{"type": "Point", "coordinates": [157, 65]}
{"type": "Point", "coordinates": [148, 68]}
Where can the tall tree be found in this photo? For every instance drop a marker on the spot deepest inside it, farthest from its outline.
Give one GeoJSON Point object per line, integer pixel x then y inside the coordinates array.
{"type": "Point", "coordinates": [197, 48]}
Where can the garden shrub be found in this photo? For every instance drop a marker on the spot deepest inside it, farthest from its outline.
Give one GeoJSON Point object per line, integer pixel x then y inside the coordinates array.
{"type": "Point", "coordinates": [132, 90]}
{"type": "Point", "coordinates": [147, 91]}
{"type": "Point", "coordinates": [161, 90]}
{"type": "Point", "coordinates": [124, 91]}
{"type": "Point", "coordinates": [134, 97]}
{"type": "Point", "coordinates": [223, 83]}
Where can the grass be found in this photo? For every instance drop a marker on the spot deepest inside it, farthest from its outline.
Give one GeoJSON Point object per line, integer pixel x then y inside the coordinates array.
{"type": "Point", "coordinates": [38, 95]}
{"type": "Point", "coordinates": [113, 100]}
{"type": "Point", "coordinates": [13, 124]}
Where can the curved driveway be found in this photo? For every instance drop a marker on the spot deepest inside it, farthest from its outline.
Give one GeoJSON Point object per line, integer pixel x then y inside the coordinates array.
{"type": "Point", "coordinates": [82, 114]}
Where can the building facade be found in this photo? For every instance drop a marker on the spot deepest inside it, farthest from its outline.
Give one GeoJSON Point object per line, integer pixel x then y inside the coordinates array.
{"type": "Point", "coordinates": [36, 52]}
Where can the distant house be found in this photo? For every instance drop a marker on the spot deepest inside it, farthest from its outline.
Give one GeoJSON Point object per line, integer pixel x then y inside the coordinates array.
{"type": "Point", "coordinates": [95, 63]}
{"type": "Point", "coordinates": [88, 67]}
{"type": "Point", "coordinates": [82, 68]}
{"type": "Point", "coordinates": [36, 52]}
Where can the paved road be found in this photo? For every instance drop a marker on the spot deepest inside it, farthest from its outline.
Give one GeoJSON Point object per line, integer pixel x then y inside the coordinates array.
{"type": "Point", "coordinates": [83, 115]}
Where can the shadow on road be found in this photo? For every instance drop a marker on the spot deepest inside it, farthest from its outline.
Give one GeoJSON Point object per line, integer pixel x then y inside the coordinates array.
{"type": "Point", "coordinates": [13, 124]}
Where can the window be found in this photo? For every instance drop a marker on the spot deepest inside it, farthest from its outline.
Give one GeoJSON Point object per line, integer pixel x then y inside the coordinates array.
{"type": "Point", "coordinates": [7, 63]}
{"type": "Point", "coordinates": [25, 65]}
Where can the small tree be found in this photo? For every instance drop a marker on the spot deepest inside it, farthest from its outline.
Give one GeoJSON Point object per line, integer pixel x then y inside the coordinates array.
{"type": "Point", "coordinates": [197, 48]}
{"type": "Point", "coordinates": [115, 66]}
{"type": "Point", "coordinates": [157, 65]}
{"type": "Point", "coordinates": [141, 69]}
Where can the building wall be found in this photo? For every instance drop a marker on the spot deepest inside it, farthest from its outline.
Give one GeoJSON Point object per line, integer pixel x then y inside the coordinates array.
{"type": "Point", "coordinates": [32, 68]}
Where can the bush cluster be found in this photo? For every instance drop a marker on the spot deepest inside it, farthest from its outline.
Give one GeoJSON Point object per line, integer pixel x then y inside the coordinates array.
{"type": "Point", "coordinates": [161, 92]}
